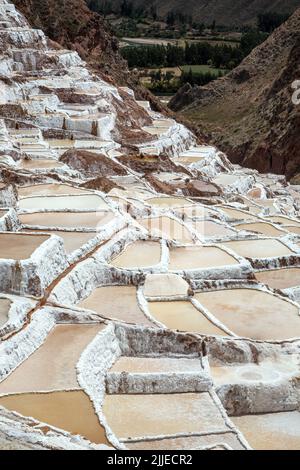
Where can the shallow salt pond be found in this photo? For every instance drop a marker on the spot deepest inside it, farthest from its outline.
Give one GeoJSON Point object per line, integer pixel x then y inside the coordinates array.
{"type": "Point", "coordinates": [39, 164]}
{"type": "Point", "coordinates": [53, 365]}
{"type": "Point", "coordinates": [165, 285]}
{"type": "Point", "coordinates": [274, 431]}
{"type": "Point", "coordinates": [80, 202]}
{"type": "Point", "coordinates": [226, 179]}
{"type": "Point", "coordinates": [207, 229]}
{"type": "Point", "coordinates": [292, 229]}
{"type": "Point", "coordinates": [167, 228]}
{"type": "Point", "coordinates": [183, 316]}
{"type": "Point", "coordinates": [19, 246]}
{"type": "Point", "coordinates": [182, 413]}
{"type": "Point", "coordinates": [140, 254]}
{"type": "Point", "coordinates": [261, 227]}
{"type": "Point", "coordinates": [72, 240]}
{"type": "Point", "coordinates": [237, 214]}
{"type": "Point", "coordinates": [168, 202]}
{"type": "Point", "coordinates": [116, 302]}
{"type": "Point", "coordinates": [71, 411]}
{"type": "Point", "coordinates": [49, 190]}
{"type": "Point", "coordinates": [259, 248]}
{"type": "Point", "coordinates": [284, 221]}
{"type": "Point", "coordinates": [199, 258]}
{"type": "Point", "coordinates": [252, 313]}
{"type": "Point", "coordinates": [67, 220]}
{"type": "Point", "coordinates": [280, 278]}
{"type": "Point", "coordinates": [4, 310]}
{"type": "Point", "coordinates": [156, 365]}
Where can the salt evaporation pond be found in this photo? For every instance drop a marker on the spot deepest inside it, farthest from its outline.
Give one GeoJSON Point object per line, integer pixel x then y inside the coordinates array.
{"type": "Point", "coordinates": [252, 313]}
{"type": "Point", "coordinates": [167, 228]}
{"type": "Point", "coordinates": [260, 227]}
{"type": "Point", "coordinates": [156, 365]}
{"type": "Point", "coordinates": [74, 202]}
{"type": "Point", "coordinates": [54, 189]}
{"type": "Point", "coordinates": [272, 431]}
{"type": "Point", "coordinates": [140, 254]}
{"type": "Point", "coordinates": [4, 310]}
{"type": "Point", "coordinates": [237, 214]}
{"type": "Point", "coordinates": [183, 316]}
{"type": "Point", "coordinates": [264, 248]}
{"type": "Point", "coordinates": [19, 246]}
{"type": "Point", "coordinates": [106, 302]}
{"type": "Point", "coordinates": [207, 229]}
{"type": "Point", "coordinates": [71, 411]}
{"type": "Point", "coordinates": [72, 240]}
{"type": "Point", "coordinates": [199, 257]}
{"type": "Point", "coordinates": [39, 164]}
{"type": "Point", "coordinates": [280, 278]}
{"type": "Point", "coordinates": [67, 220]}
{"type": "Point", "coordinates": [168, 202]}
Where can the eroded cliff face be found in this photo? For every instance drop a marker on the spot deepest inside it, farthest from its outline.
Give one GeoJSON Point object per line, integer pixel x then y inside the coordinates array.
{"type": "Point", "coordinates": [250, 113]}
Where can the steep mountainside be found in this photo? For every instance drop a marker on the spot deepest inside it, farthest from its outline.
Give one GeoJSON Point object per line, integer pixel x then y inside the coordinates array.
{"type": "Point", "coordinates": [225, 12]}
{"type": "Point", "coordinates": [250, 113]}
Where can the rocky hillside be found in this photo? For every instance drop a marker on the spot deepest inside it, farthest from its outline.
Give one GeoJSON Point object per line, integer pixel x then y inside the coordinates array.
{"type": "Point", "coordinates": [249, 113]}
{"type": "Point", "coordinates": [224, 12]}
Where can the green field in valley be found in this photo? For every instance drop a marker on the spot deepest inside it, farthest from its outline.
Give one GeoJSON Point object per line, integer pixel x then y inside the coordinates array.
{"type": "Point", "coordinates": [202, 69]}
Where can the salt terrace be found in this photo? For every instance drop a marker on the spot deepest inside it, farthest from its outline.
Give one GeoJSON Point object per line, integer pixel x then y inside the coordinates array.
{"type": "Point", "coordinates": [161, 282]}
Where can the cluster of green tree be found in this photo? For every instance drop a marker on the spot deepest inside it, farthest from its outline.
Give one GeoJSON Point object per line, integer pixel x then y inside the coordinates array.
{"type": "Point", "coordinates": [200, 53]}
{"type": "Point", "coordinates": [267, 22]}
{"type": "Point", "coordinates": [166, 83]}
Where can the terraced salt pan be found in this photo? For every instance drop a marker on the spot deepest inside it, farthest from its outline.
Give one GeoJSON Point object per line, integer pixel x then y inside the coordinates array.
{"type": "Point", "coordinates": [165, 285]}
{"type": "Point", "coordinates": [208, 229]}
{"type": "Point", "coordinates": [67, 220]}
{"type": "Point", "coordinates": [140, 254]}
{"type": "Point", "coordinates": [81, 202]}
{"type": "Point", "coordinates": [225, 179]}
{"type": "Point", "coordinates": [106, 301]}
{"type": "Point", "coordinates": [19, 246]}
{"type": "Point", "coordinates": [292, 229]}
{"type": "Point", "coordinates": [183, 316]}
{"type": "Point", "coordinates": [49, 190]}
{"type": "Point", "coordinates": [237, 214]}
{"type": "Point", "coordinates": [184, 258]}
{"type": "Point", "coordinates": [284, 221]}
{"type": "Point", "coordinates": [259, 248]}
{"type": "Point", "coordinates": [261, 227]}
{"type": "Point", "coordinates": [252, 313]}
{"type": "Point", "coordinates": [72, 240]}
{"type": "Point", "coordinates": [4, 309]}
{"type": "Point", "coordinates": [280, 278]}
{"type": "Point", "coordinates": [156, 365]}
{"type": "Point", "coordinates": [71, 411]}
{"type": "Point", "coordinates": [183, 413]}
{"type": "Point", "coordinates": [276, 431]}
{"type": "Point", "coordinates": [39, 164]}
{"type": "Point", "coordinates": [188, 160]}
{"type": "Point", "coordinates": [53, 365]}
{"type": "Point", "coordinates": [168, 202]}
{"type": "Point", "coordinates": [167, 228]}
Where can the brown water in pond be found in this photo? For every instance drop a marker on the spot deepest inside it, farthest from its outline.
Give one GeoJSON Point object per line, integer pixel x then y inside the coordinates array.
{"type": "Point", "coordinates": [261, 227]}
{"type": "Point", "coordinates": [4, 309]}
{"type": "Point", "coordinates": [49, 190]}
{"type": "Point", "coordinates": [273, 431]}
{"type": "Point", "coordinates": [70, 411]}
{"type": "Point", "coordinates": [39, 164]}
{"type": "Point", "coordinates": [280, 278]}
{"type": "Point", "coordinates": [73, 202]}
{"type": "Point", "coordinates": [252, 313]}
{"type": "Point", "coordinates": [284, 221]}
{"type": "Point", "coordinates": [52, 366]}
{"type": "Point", "coordinates": [67, 219]}
{"type": "Point", "coordinates": [19, 246]}
{"type": "Point", "coordinates": [226, 179]}
{"type": "Point", "coordinates": [199, 257]}
{"type": "Point", "coordinates": [118, 302]}
{"type": "Point", "coordinates": [207, 229]}
{"type": "Point", "coordinates": [72, 240]}
{"type": "Point", "coordinates": [165, 285]}
{"type": "Point", "coordinates": [258, 248]}
{"type": "Point", "coordinates": [293, 229]}
{"type": "Point", "coordinates": [167, 228]}
{"type": "Point", "coordinates": [237, 214]}
{"type": "Point", "coordinates": [189, 160]}
{"type": "Point", "coordinates": [140, 254]}
{"type": "Point", "coordinates": [141, 415]}
{"type": "Point", "coordinates": [168, 202]}
{"type": "Point", "coordinates": [183, 316]}
{"type": "Point", "coordinates": [156, 365]}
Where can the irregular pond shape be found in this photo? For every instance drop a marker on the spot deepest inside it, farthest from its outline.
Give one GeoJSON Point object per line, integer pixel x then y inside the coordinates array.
{"type": "Point", "coordinates": [264, 248]}
{"type": "Point", "coordinates": [19, 246]}
{"type": "Point", "coordinates": [280, 278]}
{"type": "Point", "coordinates": [167, 228]}
{"type": "Point", "coordinates": [140, 254]}
{"type": "Point", "coordinates": [67, 219]}
{"type": "Point", "coordinates": [199, 257]}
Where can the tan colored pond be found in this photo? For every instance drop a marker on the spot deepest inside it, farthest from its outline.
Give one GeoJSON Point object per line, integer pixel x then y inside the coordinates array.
{"type": "Point", "coordinates": [4, 310]}
{"type": "Point", "coordinates": [70, 411]}
{"type": "Point", "coordinates": [199, 257]}
{"type": "Point", "coordinates": [207, 229]}
{"type": "Point", "coordinates": [261, 227]}
{"type": "Point", "coordinates": [225, 179]}
{"type": "Point", "coordinates": [19, 246]}
{"type": "Point", "coordinates": [252, 313]}
{"type": "Point", "coordinates": [237, 214]}
{"type": "Point", "coordinates": [274, 431]}
{"type": "Point", "coordinates": [2, 213]}
{"type": "Point", "coordinates": [67, 219]}
{"type": "Point", "coordinates": [188, 160]}
{"type": "Point", "coordinates": [53, 365]}
{"type": "Point", "coordinates": [49, 190]}
{"type": "Point", "coordinates": [292, 229]}
{"type": "Point", "coordinates": [72, 240]}
{"type": "Point", "coordinates": [259, 248]}
{"type": "Point", "coordinates": [39, 164]}
{"type": "Point", "coordinates": [168, 202]}
{"type": "Point", "coordinates": [116, 302]}
{"type": "Point", "coordinates": [165, 285]}
{"type": "Point", "coordinates": [182, 413]}
{"type": "Point", "coordinates": [183, 316]}
{"type": "Point", "coordinates": [167, 228]}
{"type": "Point", "coordinates": [77, 202]}
{"type": "Point", "coordinates": [140, 254]}
{"type": "Point", "coordinates": [280, 278]}
{"type": "Point", "coordinates": [156, 365]}
{"type": "Point", "coordinates": [284, 221]}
